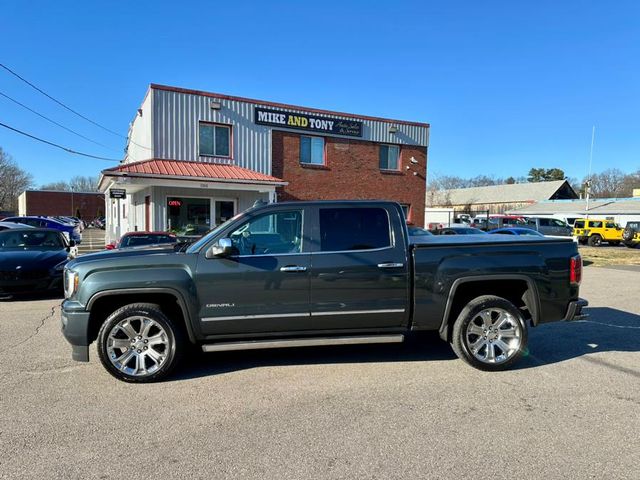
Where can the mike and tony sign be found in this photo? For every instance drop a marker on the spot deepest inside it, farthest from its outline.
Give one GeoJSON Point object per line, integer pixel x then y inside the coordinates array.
{"type": "Point", "coordinates": [312, 123]}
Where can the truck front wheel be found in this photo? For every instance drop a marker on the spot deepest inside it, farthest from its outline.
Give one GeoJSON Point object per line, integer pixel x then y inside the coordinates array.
{"type": "Point", "coordinates": [138, 343]}
{"type": "Point", "coordinates": [490, 333]}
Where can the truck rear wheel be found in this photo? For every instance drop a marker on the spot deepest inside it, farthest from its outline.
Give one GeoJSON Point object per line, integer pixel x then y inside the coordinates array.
{"type": "Point", "coordinates": [490, 333]}
{"type": "Point", "coordinates": [139, 344]}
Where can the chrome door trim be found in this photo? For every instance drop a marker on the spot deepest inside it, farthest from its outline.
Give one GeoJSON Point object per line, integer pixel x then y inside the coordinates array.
{"type": "Point", "coordinates": [253, 317]}
{"type": "Point", "coordinates": [358, 312]}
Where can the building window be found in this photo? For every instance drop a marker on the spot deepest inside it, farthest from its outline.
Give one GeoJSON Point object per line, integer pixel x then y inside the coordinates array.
{"type": "Point", "coordinates": [312, 150]}
{"type": "Point", "coordinates": [389, 157]}
{"type": "Point", "coordinates": [215, 140]}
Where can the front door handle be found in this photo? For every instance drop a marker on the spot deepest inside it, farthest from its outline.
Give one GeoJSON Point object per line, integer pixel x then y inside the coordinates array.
{"type": "Point", "coordinates": [390, 265]}
{"type": "Point", "coordinates": [293, 268]}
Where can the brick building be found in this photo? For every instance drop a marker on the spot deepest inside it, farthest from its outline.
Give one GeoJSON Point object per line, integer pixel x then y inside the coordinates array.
{"type": "Point", "coordinates": [194, 159]}
{"type": "Point", "coordinates": [85, 205]}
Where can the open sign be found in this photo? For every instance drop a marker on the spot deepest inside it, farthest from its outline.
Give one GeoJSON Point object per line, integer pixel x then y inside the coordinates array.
{"type": "Point", "coordinates": [175, 203]}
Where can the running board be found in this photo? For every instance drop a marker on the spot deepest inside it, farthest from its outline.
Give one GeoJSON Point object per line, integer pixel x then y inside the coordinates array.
{"type": "Point", "coordinates": [301, 342]}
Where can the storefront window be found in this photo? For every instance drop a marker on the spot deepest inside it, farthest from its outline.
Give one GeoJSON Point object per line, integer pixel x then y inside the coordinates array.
{"type": "Point", "coordinates": [189, 216]}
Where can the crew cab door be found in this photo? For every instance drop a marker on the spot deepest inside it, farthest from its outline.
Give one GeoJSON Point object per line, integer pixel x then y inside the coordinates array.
{"type": "Point", "coordinates": [359, 268]}
{"type": "Point", "coordinates": [264, 286]}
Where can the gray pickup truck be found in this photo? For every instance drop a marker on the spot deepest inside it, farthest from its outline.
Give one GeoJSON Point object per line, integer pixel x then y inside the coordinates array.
{"type": "Point", "coordinates": [317, 273]}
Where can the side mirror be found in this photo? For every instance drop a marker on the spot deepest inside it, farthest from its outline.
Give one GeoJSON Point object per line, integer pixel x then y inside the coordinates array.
{"type": "Point", "coordinates": [224, 248]}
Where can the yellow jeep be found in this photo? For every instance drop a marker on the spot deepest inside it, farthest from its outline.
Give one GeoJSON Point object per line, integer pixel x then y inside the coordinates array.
{"type": "Point", "coordinates": [594, 231]}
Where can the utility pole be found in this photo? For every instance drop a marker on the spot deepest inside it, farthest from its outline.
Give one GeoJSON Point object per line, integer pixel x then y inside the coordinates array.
{"type": "Point", "coordinates": [588, 186]}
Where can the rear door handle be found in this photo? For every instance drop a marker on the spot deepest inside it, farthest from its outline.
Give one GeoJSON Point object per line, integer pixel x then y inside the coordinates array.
{"type": "Point", "coordinates": [390, 265]}
{"type": "Point", "coordinates": [293, 268]}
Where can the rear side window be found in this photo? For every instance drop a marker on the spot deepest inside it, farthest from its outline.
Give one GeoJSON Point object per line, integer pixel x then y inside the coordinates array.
{"type": "Point", "coordinates": [578, 224]}
{"type": "Point", "coordinates": [595, 224]}
{"type": "Point", "coordinates": [353, 229]}
{"type": "Point", "coordinates": [545, 222]}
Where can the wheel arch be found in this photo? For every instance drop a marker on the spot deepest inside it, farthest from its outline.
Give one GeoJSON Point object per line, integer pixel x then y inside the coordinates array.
{"type": "Point", "coordinates": [521, 290]}
{"type": "Point", "coordinates": [103, 303]}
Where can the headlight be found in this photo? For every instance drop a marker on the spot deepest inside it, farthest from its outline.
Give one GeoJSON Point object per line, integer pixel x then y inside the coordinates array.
{"type": "Point", "coordinates": [70, 283]}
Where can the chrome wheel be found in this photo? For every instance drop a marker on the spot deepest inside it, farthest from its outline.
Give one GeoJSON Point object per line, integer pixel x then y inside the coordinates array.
{"type": "Point", "coordinates": [138, 346]}
{"type": "Point", "coordinates": [493, 335]}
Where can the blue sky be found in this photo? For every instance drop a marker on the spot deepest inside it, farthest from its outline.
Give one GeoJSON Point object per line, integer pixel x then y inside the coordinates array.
{"type": "Point", "coordinates": [505, 85]}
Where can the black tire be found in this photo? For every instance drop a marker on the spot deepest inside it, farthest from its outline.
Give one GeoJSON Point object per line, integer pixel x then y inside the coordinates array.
{"type": "Point", "coordinates": [628, 234]}
{"type": "Point", "coordinates": [595, 240]}
{"type": "Point", "coordinates": [171, 353]}
{"type": "Point", "coordinates": [460, 335]}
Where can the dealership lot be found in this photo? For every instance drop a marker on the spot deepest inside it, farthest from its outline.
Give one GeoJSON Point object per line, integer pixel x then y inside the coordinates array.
{"type": "Point", "coordinates": [396, 411]}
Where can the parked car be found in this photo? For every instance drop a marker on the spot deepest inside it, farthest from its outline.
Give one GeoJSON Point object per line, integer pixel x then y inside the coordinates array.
{"type": "Point", "coordinates": [459, 231]}
{"type": "Point", "coordinates": [418, 232]}
{"type": "Point", "coordinates": [71, 231]}
{"type": "Point", "coordinates": [631, 235]}
{"type": "Point", "coordinates": [32, 260]}
{"type": "Point", "coordinates": [594, 231]}
{"type": "Point", "coordinates": [71, 220]}
{"type": "Point", "coordinates": [497, 221]}
{"type": "Point", "coordinates": [138, 239]}
{"type": "Point", "coordinates": [347, 274]}
{"type": "Point", "coordinates": [516, 231]}
{"type": "Point", "coordinates": [10, 225]}
{"type": "Point", "coordinates": [552, 227]}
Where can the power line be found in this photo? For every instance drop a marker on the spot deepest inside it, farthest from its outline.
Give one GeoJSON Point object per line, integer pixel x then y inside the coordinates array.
{"type": "Point", "coordinates": [66, 149]}
{"type": "Point", "coordinates": [69, 108]}
{"type": "Point", "coordinates": [53, 121]}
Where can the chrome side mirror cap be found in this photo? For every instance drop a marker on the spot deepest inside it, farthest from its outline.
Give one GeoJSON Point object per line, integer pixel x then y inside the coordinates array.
{"type": "Point", "coordinates": [223, 248]}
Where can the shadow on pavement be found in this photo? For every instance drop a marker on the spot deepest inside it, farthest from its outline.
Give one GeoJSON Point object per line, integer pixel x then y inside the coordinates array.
{"type": "Point", "coordinates": [26, 297]}
{"type": "Point", "coordinates": [418, 348]}
{"type": "Point", "coordinates": [607, 329]}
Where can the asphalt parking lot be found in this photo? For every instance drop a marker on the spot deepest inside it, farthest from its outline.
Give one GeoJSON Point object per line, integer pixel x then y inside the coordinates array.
{"type": "Point", "coordinates": [572, 409]}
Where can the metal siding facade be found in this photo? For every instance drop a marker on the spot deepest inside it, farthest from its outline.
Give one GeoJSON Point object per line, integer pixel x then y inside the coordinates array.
{"type": "Point", "coordinates": [175, 129]}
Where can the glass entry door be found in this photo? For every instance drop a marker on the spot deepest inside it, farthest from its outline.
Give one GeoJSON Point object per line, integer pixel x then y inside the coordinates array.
{"type": "Point", "coordinates": [225, 209]}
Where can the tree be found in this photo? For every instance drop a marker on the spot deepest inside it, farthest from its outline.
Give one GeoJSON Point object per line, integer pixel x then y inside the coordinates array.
{"type": "Point", "coordinates": [13, 181]}
{"type": "Point", "coordinates": [76, 184]}
{"type": "Point", "coordinates": [545, 175]}
{"type": "Point", "coordinates": [612, 183]}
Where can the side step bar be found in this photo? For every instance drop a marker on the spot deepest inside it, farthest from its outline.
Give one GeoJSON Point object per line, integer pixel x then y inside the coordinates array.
{"type": "Point", "coordinates": [301, 342]}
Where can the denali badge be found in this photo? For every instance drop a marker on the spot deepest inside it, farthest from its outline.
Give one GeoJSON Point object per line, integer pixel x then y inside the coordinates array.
{"type": "Point", "coordinates": [220, 305]}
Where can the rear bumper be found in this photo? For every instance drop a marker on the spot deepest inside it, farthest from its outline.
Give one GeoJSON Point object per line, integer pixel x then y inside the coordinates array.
{"type": "Point", "coordinates": [75, 328]}
{"type": "Point", "coordinates": [574, 310]}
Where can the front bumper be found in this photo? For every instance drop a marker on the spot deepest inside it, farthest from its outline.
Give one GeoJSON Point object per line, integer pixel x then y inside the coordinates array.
{"type": "Point", "coordinates": [75, 328]}
{"type": "Point", "coordinates": [574, 310]}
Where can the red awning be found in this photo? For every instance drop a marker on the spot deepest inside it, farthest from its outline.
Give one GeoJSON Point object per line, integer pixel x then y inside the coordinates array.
{"type": "Point", "coordinates": [188, 169]}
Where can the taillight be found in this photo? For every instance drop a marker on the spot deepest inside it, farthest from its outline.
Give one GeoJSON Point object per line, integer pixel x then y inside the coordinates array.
{"type": "Point", "coordinates": [575, 270]}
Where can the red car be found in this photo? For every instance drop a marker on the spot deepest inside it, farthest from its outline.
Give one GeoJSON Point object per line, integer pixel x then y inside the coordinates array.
{"type": "Point", "coordinates": [138, 239]}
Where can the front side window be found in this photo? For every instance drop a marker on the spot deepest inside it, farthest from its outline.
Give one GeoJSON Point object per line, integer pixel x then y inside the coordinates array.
{"type": "Point", "coordinates": [312, 150]}
{"type": "Point", "coordinates": [353, 229]}
{"type": "Point", "coordinates": [215, 140]}
{"type": "Point", "coordinates": [610, 225]}
{"type": "Point", "coordinates": [558, 223]}
{"type": "Point", "coordinates": [270, 234]}
{"type": "Point", "coordinates": [389, 155]}
{"type": "Point", "coordinates": [595, 224]}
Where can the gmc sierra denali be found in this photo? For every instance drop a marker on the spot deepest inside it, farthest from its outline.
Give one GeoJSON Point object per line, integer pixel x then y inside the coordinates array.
{"type": "Point", "coordinates": [317, 273]}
